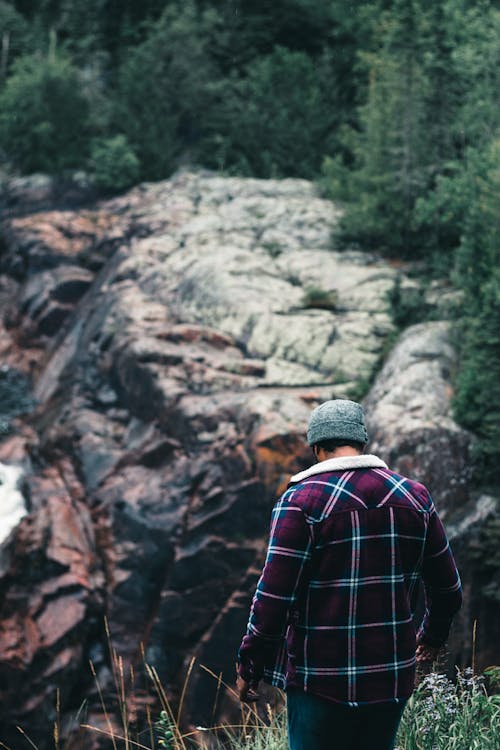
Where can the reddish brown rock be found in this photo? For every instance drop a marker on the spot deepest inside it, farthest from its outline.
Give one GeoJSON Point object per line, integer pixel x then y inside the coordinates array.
{"type": "Point", "coordinates": [59, 618]}
{"type": "Point", "coordinates": [53, 589]}
{"type": "Point", "coordinates": [45, 240]}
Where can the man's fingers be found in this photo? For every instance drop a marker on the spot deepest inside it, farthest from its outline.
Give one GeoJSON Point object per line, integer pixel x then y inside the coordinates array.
{"type": "Point", "coordinates": [246, 693]}
{"type": "Point", "coordinates": [426, 653]}
{"type": "Point", "coordinates": [250, 697]}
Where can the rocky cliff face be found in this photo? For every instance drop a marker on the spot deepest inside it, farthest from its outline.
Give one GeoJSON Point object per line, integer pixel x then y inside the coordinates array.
{"type": "Point", "coordinates": [177, 338]}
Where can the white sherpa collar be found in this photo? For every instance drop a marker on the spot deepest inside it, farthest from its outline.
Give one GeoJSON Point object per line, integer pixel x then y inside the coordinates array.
{"type": "Point", "coordinates": [343, 463]}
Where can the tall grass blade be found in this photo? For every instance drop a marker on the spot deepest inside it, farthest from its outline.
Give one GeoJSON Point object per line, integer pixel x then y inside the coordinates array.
{"type": "Point", "coordinates": [113, 736]}
{"type": "Point", "coordinates": [103, 704]}
{"type": "Point", "coordinates": [28, 739]}
{"type": "Point", "coordinates": [184, 688]}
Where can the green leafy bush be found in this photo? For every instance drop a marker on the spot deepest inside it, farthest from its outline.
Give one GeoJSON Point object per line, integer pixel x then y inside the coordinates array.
{"type": "Point", "coordinates": [167, 732]}
{"type": "Point", "coordinates": [442, 715]}
{"type": "Point", "coordinates": [477, 399]}
{"type": "Point", "coordinates": [270, 122]}
{"type": "Point", "coordinates": [163, 88]}
{"type": "Point", "coordinates": [321, 299]}
{"type": "Point", "coordinates": [113, 164]}
{"type": "Point", "coordinates": [407, 305]}
{"type": "Point", "coordinates": [44, 115]}
{"type": "Point", "coordinates": [14, 33]}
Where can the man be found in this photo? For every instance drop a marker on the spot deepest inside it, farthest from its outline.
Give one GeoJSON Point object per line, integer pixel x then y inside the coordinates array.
{"type": "Point", "coordinates": [332, 619]}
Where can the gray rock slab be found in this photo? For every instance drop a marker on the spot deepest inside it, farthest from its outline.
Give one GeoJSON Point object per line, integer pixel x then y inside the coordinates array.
{"type": "Point", "coordinates": [409, 415]}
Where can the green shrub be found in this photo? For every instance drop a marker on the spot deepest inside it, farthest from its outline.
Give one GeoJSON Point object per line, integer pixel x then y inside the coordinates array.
{"type": "Point", "coordinates": [271, 122]}
{"type": "Point", "coordinates": [167, 732]}
{"type": "Point", "coordinates": [113, 163]}
{"type": "Point", "coordinates": [14, 33]}
{"type": "Point", "coordinates": [407, 306]}
{"type": "Point", "coordinates": [477, 397]}
{"type": "Point", "coordinates": [320, 299]}
{"type": "Point", "coordinates": [163, 89]}
{"type": "Point", "coordinates": [44, 115]}
{"type": "Point", "coordinates": [334, 181]}
{"type": "Point", "coordinates": [445, 716]}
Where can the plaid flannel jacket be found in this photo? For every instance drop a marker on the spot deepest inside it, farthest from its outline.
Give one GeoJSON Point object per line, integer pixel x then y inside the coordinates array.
{"type": "Point", "coordinates": [333, 613]}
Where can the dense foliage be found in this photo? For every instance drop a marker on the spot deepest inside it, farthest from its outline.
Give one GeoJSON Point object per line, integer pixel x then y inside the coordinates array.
{"type": "Point", "coordinates": [249, 86]}
{"type": "Point", "coordinates": [392, 104]}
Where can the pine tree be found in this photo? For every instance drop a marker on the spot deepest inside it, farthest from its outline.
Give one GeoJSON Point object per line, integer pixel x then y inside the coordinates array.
{"type": "Point", "coordinates": [13, 37]}
{"type": "Point", "coordinates": [477, 400]}
{"type": "Point", "coordinates": [390, 149]}
{"type": "Point", "coordinates": [441, 29]}
{"type": "Point", "coordinates": [271, 122]}
{"type": "Point", "coordinates": [477, 59]}
{"type": "Point", "coordinates": [43, 115]}
{"type": "Point", "coordinates": [465, 123]}
{"type": "Point", "coordinates": [163, 88]}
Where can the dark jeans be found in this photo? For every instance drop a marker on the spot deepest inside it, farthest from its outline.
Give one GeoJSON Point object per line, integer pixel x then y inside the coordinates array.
{"type": "Point", "coordinates": [317, 724]}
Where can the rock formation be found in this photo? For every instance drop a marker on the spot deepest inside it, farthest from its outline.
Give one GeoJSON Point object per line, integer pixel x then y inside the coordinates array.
{"type": "Point", "coordinates": [409, 415]}
{"type": "Point", "coordinates": [177, 337]}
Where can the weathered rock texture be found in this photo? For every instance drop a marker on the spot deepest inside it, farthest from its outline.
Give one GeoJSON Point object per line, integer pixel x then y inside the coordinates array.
{"type": "Point", "coordinates": [177, 338]}
{"type": "Point", "coordinates": [409, 415]}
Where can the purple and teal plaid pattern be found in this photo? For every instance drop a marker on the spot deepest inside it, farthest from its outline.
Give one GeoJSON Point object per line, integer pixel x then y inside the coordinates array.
{"type": "Point", "coordinates": [333, 613]}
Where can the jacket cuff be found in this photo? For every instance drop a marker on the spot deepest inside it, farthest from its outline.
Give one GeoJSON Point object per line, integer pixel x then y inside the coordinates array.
{"type": "Point", "coordinates": [429, 640]}
{"type": "Point", "coordinates": [434, 634]}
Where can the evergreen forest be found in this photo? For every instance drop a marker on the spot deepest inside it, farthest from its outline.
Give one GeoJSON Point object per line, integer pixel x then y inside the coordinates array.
{"type": "Point", "coordinates": [392, 106]}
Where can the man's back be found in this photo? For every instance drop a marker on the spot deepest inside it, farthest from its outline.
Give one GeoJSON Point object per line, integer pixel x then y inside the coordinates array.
{"type": "Point", "coordinates": [350, 541]}
{"type": "Point", "coordinates": [353, 632]}
{"type": "Point", "coordinates": [333, 617]}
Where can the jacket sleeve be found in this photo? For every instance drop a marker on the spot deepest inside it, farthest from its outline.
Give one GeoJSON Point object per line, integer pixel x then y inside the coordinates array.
{"type": "Point", "coordinates": [443, 590]}
{"type": "Point", "coordinates": [288, 552]}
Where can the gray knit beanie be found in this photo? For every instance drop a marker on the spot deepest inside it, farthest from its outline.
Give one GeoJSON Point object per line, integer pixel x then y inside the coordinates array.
{"type": "Point", "coordinates": [339, 419]}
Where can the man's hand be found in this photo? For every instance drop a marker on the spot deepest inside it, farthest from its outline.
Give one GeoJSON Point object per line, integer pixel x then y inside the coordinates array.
{"type": "Point", "coordinates": [246, 693]}
{"type": "Point", "coordinates": [426, 654]}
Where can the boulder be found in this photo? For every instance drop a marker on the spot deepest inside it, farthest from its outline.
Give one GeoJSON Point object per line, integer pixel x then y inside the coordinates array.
{"type": "Point", "coordinates": [53, 594]}
{"type": "Point", "coordinates": [409, 415]}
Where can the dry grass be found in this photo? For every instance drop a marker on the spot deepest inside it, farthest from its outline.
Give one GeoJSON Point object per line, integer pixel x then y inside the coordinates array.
{"type": "Point", "coordinates": [441, 715]}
